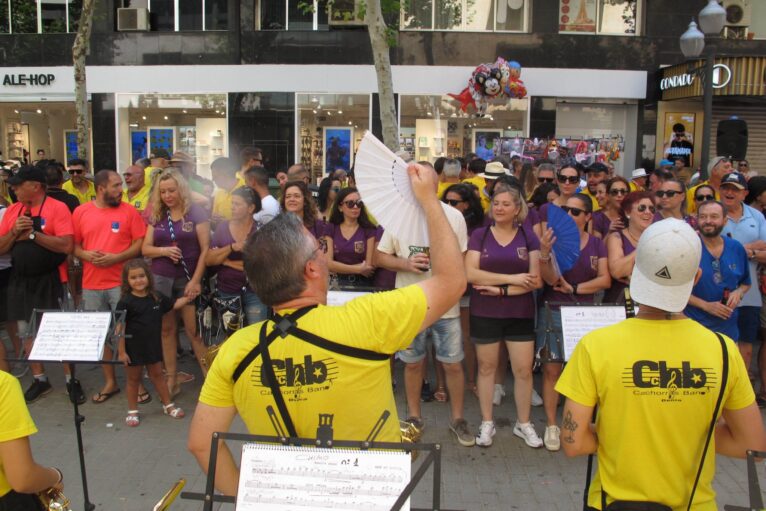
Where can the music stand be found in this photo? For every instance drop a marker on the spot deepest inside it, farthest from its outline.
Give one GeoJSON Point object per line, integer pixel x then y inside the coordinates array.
{"type": "Point", "coordinates": [754, 488]}
{"type": "Point", "coordinates": [117, 318]}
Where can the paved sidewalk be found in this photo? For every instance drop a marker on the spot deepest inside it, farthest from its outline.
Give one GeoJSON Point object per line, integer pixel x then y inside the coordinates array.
{"type": "Point", "coordinates": [129, 469]}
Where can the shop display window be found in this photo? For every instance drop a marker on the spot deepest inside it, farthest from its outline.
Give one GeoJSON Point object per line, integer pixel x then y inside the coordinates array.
{"type": "Point", "coordinates": [193, 123]}
{"type": "Point", "coordinates": [607, 17]}
{"type": "Point", "coordinates": [465, 15]}
{"type": "Point", "coordinates": [330, 128]}
{"type": "Point", "coordinates": [434, 126]}
{"type": "Point", "coordinates": [40, 16]}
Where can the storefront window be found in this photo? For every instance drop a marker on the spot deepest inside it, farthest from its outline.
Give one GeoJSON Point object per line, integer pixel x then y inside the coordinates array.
{"type": "Point", "coordinates": [330, 128]}
{"type": "Point", "coordinates": [434, 126]}
{"type": "Point", "coordinates": [470, 15]}
{"type": "Point", "coordinates": [609, 17]}
{"type": "Point", "coordinates": [291, 14]}
{"type": "Point", "coordinates": [192, 123]}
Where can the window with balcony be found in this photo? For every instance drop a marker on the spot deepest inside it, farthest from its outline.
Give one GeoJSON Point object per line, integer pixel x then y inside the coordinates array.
{"type": "Point", "coordinates": [466, 15]}
{"type": "Point", "coordinates": [607, 17]}
{"type": "Point", "coordinates": [178, 15]}
{"type": "Point", "coordinates": [39, 16]}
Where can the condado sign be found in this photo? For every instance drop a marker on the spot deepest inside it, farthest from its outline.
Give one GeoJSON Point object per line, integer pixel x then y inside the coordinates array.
{"type": "Point", "coordinates": [23, 80]}
{"type": "Point", "coordinates": [733, 76]}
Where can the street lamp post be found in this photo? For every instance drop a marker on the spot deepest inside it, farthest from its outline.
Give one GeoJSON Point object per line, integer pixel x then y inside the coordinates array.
{"type": "Point", "coordinates": [712, 19]}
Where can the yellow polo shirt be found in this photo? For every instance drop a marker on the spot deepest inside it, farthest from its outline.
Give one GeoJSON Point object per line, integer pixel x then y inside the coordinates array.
{"type": "Point", "coordinates": [222, 202]}
{"type": "Point", "coordinates": [585, 191]}
{"type": "Point", "coordinates": [84, 198]}
{"type": "Point", "coordinates": [139, 200]}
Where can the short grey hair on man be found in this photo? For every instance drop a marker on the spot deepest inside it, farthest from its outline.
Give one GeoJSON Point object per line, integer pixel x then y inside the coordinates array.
{"type": "Point", "coordinates": [546, 166]}
{"type": "Point", "coordinates": [451, 168]}
{"type": "Point", "coordinates": [275, 258]}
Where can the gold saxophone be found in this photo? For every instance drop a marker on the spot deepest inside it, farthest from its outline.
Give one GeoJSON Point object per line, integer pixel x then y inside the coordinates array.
{"type": "Point", "coordinates": [411, 434]}
{"type": "Point", "coordinates": [54, 500]}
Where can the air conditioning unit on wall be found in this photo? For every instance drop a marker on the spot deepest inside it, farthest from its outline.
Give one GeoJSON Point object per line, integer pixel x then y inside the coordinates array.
{"type": "Point", "coordinates": [346, 13]}
{"type": "Point", "coordinates": [738, 12]}
{"type": "Point", "coordinates": [132, 19]}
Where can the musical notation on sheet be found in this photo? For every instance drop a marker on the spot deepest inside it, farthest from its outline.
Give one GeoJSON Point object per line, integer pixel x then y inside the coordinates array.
{"type": "Point", "coordinates": [75, 336]}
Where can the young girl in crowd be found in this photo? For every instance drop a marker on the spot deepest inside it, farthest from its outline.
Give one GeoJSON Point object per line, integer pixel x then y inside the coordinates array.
{"type": "Point", "coordinates": [143, 328]}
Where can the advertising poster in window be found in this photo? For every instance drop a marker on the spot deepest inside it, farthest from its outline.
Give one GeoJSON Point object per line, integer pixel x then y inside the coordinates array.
{"type": "Point", "coordinates": [486, 143]}
{"type": "Point", "coordinates": [679, 137]}
{"type": "Point", "coordinates": [70, 144]}
{"type": "Point", "coordinates": [337, 148]}
{"type": "Point", "coordinates": [162, 138]}
{"type": "Point", "coordinates": [577, 15]}
{"type": "Point", "coordinates": [187, 140]}
{"type": "Point", "coordinates": [138, 145]}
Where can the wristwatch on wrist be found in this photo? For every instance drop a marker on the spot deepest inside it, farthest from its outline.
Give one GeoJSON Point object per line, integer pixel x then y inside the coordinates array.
{"type": "Point", "coordinates": [574, 289]}
{"type": "Point", "coordinates": [32, 235]}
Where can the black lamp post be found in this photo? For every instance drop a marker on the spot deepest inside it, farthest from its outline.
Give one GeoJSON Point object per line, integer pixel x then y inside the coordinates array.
{"type": "Point", "coordinates": [712, 19]}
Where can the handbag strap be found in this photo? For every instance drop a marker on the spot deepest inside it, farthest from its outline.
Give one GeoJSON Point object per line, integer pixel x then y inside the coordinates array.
{"type": "Point", "coordinates": [173, 239]}
{"type": "Point", "coordinates": [724, 378]}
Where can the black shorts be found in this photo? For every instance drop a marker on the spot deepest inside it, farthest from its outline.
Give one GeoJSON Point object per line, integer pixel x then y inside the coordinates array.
{"type": "Point", "coordinates": [492, 330]}
{"type": "Point", "coordinates": [5, 276]}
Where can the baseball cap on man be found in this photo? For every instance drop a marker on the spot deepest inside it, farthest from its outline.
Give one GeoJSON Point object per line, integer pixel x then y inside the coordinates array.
{"type": "Point", "coordinates": [667, 258]}
{"type": "Point", "coordinates": [638, 173]}
{"type": "Point", "coordinates": [181, 157]}
{"type": "Point", "coordinates": [494, 170]}
{"type": "Point", "coordinates": [28, 174]}
{"type": "Point", "coordinates": [735, 179]}
{"type": "Point", "coordinates": [597, 168]}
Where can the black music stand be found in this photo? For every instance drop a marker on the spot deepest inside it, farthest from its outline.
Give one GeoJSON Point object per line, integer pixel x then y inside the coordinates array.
{"type": "Point", "coordinates": [118, 318]}
{"type": "Point", "coordinates": [754, 488]}
{"type": "Point", "coordinates": [324, 439]}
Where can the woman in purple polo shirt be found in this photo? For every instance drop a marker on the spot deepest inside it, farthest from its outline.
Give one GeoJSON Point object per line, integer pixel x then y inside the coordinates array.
{"type": "Point", "coordinates": [610, 217]}
{"type": "Point", "coordinates": [568, 178]}
{"type": "Point", "coordinates": [589, 275]}
{"type": "Point", "coordinates": [350, 240]}
{"type": "Point", "coordinates": [297, 199]}
{"type": "Point", "coordinates": [639, 210]}
{"type": "Point", "coordinates": [177, 238]}
{"type": "Point", "coordinates": [503, 267]}
{"type": "Point", "coordinates": [225, 254]}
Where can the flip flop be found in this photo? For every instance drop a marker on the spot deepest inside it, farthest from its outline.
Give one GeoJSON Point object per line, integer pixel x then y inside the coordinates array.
{"type": "Point", "coordinates": [104, 396]}
{"type": "Point", "coordinates": [184, 377]}
{"type": "Point", "coordinates": [144, 398]}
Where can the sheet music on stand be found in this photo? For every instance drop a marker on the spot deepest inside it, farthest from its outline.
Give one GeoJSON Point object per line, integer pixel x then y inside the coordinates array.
{"type": "Point", "coordinates": [71, 336]}
{"type": "Point", "coordinates": [290, 478]}
{"type": "Point", "coordinates": [576, 321]}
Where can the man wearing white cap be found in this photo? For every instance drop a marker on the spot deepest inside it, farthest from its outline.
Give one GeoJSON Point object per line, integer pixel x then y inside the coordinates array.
{"type": "Point", "coordinates": [716, 169]}
{"type": "Point", "coordinates": [638, 180]}
{"type": "Point", "coordinates": [658, 379]}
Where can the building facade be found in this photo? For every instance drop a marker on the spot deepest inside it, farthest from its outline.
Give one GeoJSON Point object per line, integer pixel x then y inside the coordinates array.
{"type": "Point", "coordinates": [211, 76]}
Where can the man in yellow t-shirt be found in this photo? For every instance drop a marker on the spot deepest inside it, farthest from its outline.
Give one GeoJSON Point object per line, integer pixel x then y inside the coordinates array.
{"type": "Point", "coordinates": [656, 379]}
{"type": "Point", "coordinates": [476, 168]}
{"type": "Point", "coordinates": [80, 186]}
{"type": "Point", "coordinates": [716, 169]}
{"type": "Point", "coordinates": [248, 157]}
{"type": "Point", "coordinates": [449, 176]}
{"type": "Point", "coordinates": [223, 171]}
{"type": "Point", "coordinates": [136, 192]}
{"type": "Point", "coordinates": [18, 470]}
{"type": "Point", "coordinates": [287, 268]}
{"type": "Point", "coordinates": [595, 174]}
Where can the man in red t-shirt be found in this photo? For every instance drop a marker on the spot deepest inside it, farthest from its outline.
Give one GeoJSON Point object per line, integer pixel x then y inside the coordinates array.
{"type": "Point", "coordinates": [107, 232]}
{"type": "Point", "coordinates": [37, 231]}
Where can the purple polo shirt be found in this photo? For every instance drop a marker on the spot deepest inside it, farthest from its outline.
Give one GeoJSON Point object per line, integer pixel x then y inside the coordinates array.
{"type": "Point", "coordinates": [186, 239]}
{"type": "Point", "coordinates": [352, 250]}
{"type": "Point", "coordinates": [584, 269]}
{"type": "Point", "coordinates": [601, 223]}
{"type": "Point", "coordinates": [510, 259]}
{"type": "Point", "coordinates": [229, 279]}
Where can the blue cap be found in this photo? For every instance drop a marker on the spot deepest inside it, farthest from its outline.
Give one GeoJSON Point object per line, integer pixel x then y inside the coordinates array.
{"type": "Point", "coordinates": [665, 162]}
{"type": "Point", "coordinates": [736, 179]}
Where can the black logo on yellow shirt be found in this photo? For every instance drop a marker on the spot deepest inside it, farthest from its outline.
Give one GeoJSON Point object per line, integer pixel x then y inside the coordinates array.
{"type": "Point", "coordinates": [648, 377]}
{"type": "Point", "coordinates": [299, 378]}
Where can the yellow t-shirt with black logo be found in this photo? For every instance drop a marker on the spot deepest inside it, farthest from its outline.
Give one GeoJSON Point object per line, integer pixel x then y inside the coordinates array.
{"type": "Point", "coordinates": [315, 381]}
{"type": "Point", "coordinates": [139, 200]}
{"type": "Point", "coordinates": [656, 384]}
{"type": "Point", "coordinates": [15, 421]}
{"type": "Point", "coordinates": [84, 198]}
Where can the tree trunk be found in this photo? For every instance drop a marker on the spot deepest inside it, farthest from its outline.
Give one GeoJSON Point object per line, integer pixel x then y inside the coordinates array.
{"type": "Point", "coordinates": [376, 27]}
{"type": "Point", "coordinates": [80, 51]}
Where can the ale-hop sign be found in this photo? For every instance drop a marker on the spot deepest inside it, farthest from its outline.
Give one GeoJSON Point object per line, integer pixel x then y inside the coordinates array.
{"type": "Point", "coordinates": [24, 80]}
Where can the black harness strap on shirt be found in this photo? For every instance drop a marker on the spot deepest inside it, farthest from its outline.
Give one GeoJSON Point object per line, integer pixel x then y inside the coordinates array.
{"type": "Point", "coordinates": [263, 348]}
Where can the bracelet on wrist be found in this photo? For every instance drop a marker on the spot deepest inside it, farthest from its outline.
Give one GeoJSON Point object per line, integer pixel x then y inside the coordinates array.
{"type": "Point", "coordinates": [61, 476]}
{"type": "Point", "coordinates": [574, 289]}
{"type": "Point", "coordinates": [545, 259]}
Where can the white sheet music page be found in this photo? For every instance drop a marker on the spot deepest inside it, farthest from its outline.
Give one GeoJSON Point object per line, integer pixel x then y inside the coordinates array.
{"type": "Point", "coordinates": [288, 478]}
{"type": "Point", "coordinates": [71, 336]}
{"type": "Point", "coordinates": [577, 321]}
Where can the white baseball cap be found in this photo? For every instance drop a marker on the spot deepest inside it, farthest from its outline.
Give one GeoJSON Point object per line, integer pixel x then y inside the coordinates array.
{"type": "Point", "coordinates": [667, 259]}
{"type": "Point", "coordinates": [637, 173]}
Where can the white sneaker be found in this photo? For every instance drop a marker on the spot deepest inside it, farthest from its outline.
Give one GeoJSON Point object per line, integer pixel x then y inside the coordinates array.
{"type": "Point", "coordinates": [498, 395]}
{"type": "Point", "coordinates": [536, 399]}
{"type": "Point", "coordinates": [528, 433]}
{"type": "Point", "coordinates": [552, 438]}
{"type": "Point", "coordinates": [486, 432]}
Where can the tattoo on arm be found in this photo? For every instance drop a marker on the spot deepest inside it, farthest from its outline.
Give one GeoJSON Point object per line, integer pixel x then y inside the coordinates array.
{"type": "Point", "coordinates": [569, 426]}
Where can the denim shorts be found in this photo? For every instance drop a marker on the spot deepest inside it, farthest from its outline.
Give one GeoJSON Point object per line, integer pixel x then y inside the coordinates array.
{"type": "Point", "coordinates": [549, 341]}
{"type": "Point", "coordinates": [447, 339]}
{"type": "Point", "coordinates": [100, 299]}
{"type": "Point", "coordinates": [255, 310]}
{"type": "Point", "coordinates": [748, 323]}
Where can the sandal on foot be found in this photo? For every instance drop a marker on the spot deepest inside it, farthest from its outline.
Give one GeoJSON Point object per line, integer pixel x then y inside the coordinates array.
{"type": "Point", "coordinates": [184, 377]}
{"type": "Point", "coordinates": [441, 395]}
{"type": "Point", "coordinates": [104, 396]}
{"type": "Point", "coordinates": [132, 419]}
{"type": "Point", "coordinates": [144, 397]}
{"type": "Point", "coordinates": [174, 411]}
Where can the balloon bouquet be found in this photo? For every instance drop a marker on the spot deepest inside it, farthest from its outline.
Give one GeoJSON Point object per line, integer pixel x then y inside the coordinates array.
{"type": "Point", "coordinates": [497, 80]}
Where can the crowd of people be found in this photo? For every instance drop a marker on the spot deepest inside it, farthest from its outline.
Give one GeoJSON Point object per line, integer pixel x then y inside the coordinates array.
{"type": "Point", "coordinates": [160, 240]}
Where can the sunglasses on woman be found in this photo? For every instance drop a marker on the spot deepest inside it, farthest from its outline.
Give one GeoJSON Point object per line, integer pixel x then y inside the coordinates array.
{"type": "Point", "coordinates": [568, 179]}
{"type": "Point", "coordinates": [573, 211]}
{"type": "Point", "coordinates": [336, 189]}
{"type": "Point", "coordinates": [542, 180]}
{"type": "Point", "coordinates": [703, 198]}
{"type": "Point", "coordinates": [666, 193]}
{"type": "Point", "coordinates": [453, 202]}
{"type": "Point", "coordinates": [614, 192]}
{"type": "Point", "coordinates": [643, 207]}
{"type": "Point", "coordinates": [351, 204]}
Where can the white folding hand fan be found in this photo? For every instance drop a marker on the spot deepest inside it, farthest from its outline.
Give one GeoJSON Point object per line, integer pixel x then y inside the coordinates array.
{"type": "Point", "coordinates": [384, 185]}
